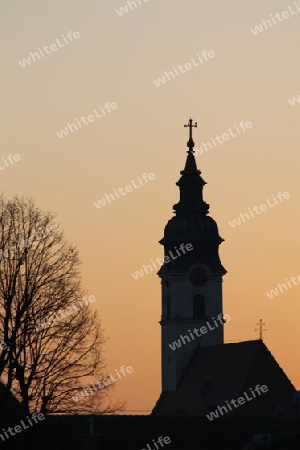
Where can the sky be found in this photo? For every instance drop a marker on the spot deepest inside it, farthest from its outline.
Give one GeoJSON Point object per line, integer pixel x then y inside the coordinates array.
{"type": "Point", "coordinates": [114, 59]}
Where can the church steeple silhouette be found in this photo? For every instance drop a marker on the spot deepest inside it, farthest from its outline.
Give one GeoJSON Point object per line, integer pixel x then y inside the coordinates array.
{"type": "Point", "coordinates": [199, 371]}
{"type": "Point", "coordinates": [192, 284]}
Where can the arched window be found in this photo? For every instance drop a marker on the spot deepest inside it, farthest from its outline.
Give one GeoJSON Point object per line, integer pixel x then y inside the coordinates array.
{"type": "Point", "coordinates": [198, 307]}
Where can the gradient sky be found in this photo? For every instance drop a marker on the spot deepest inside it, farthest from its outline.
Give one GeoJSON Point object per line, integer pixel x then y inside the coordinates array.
{"type": "Point", "coordinates": [116, 59]}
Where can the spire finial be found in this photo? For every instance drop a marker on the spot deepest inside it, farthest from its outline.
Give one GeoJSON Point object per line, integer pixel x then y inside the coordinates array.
{"type": "Point", "coordinates": [190, 142]}
{"type": "Point", "coordinates": [261, 329]}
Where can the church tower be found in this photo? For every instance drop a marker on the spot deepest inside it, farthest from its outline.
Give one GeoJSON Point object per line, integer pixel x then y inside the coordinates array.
{"type": "Point", "coordinates": [191, 282]}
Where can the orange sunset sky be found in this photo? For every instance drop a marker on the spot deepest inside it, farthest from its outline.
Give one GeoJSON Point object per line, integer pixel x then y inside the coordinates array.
{"type": "Point", "coordinates": [116, 59]}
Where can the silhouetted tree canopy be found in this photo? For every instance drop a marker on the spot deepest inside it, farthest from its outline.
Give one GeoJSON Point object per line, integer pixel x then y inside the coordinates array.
{"type": "Point", "coordinates": [51, 337]}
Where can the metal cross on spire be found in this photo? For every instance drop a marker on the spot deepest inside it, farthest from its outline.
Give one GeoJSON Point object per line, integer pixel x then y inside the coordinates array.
{"type": "Point", "coordinates": [190, 125]}
{"type": "Point", "coordinates": [190, 142]}
{"type": "Point", "coordinates": [261, 324]}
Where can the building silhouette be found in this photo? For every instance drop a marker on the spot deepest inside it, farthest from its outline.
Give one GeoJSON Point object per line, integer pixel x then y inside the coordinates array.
{"type": "Point", "coordinates": [199, 372]}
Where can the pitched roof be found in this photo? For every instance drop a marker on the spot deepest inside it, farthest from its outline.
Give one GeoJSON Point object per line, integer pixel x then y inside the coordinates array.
{"type": "Point", "coordinates": [225, 372]}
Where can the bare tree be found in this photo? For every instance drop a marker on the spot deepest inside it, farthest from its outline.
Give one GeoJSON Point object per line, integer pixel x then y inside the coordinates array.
{"type": "Point", "coordinates": [51, 337]}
